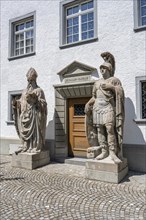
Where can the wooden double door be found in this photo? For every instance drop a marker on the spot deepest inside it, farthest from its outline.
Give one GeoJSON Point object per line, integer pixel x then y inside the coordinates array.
{"type": "Point", "coordinates": [78, 143]}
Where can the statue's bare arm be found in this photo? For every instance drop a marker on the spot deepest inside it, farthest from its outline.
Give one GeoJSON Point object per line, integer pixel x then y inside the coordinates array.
{"type": "Point", "coordinates": [89, 104]}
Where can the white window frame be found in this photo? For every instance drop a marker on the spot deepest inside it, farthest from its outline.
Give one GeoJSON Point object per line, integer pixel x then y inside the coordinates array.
{"type": "Point", "coordinates": [11, 94]}
{"type": "Point", "coordinates": [64, 5]}
{"type": "Point", "coordinates": [139, 80]}
{"type": "Point", "coordinates": [137, 17]}
{"type": "Point", "coordinates": [12, 33]}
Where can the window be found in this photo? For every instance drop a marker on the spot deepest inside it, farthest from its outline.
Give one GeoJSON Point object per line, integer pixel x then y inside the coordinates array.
{"type": "Point", "coordinates": [141, 98]}
{"type": "Point", "coordinates": [79, 109]}
{"type": "Point", "coordinates": [11, 96]}
{"type": "Point", "coordinates": [79, 21]}
{"type": "Point", "coordinates": [140, 14]}
{"type": "Point", "coordinates": [143, 102]}
{"type": "Point", "coordinates": [22, 36]}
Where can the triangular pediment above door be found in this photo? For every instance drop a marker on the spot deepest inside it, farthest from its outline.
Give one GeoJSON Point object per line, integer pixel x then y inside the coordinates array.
{"type": "Point", "coordinates": [76, 69]}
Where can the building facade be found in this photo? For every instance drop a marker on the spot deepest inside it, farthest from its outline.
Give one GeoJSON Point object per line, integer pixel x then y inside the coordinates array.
{"type": "Point", "coordinates": [63, 41]}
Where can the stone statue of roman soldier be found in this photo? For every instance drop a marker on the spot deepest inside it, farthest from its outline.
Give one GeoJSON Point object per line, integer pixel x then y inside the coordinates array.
{"type": "Point", "coordinates": [105, 113]}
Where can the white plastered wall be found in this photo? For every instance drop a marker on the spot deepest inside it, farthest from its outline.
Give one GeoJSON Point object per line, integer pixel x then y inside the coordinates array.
{"type": "Point", "coordinates": [115, 34]}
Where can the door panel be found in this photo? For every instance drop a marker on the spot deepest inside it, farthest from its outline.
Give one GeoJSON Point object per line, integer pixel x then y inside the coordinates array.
{"type": "Point", "coordinates": [78, 143]}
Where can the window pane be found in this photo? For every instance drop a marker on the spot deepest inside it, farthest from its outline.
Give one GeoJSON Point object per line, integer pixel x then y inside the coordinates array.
{"type": "Point", "coordinates": [17, 52]}
{"type": "Point", "coordinates": [144, 21]}
{"type": "Point", "coordinates": [31, 33]}
{"type": "Point", "coordinates": [21, 36]}
{"type": "Point", "coordinates": [69, 39]}
{"type": "Point", "coordinates": [75, 29]}
{"type": "Point", "coordinates": [90, 4]}
{"type": "Point", "coordinates": [69, 31]}
{"type": "Point", "coordinates": [90, 34]}
{"type": "Point", "coordinates": [84, 6]}
{"type": "Point", "coordinates": [75, 21]}
{"type": "Point", "coordinates": [22, 51]}
{"type": "Point", "coordinates": [75, 38]}
{"type": "Point", "coordinates": [21, 43]}
{"type": "Point", "coordinates": [17, 45]}
{"type": "Point", "coordinates": [69, 11]}
{"type": "Point", "coordinates": [28, 34]}
{"type": "Point", "coordinates": [31, 41]}
{"type": "Point", "coordinates": [75, 9]}
{"type": "Point", "coordinates": [84, 35]}
{"type": "Point", "coordinates": [143, 2]}
{"type": "Point", "coordinates": [31, 48]}
{"type": "Point", "coordinates": [28, 42]}
{"type": "Point", "coordinates": [69, 22]}
{"type": "Point", "coordinates": [19, 27]}
{"type": "Point", "coordinates": [90, 16]}
{"type": "Point", "coordinates": [90, 25]}
{"type": "Point", "coordinates": [27, 49]}
{"type": "Point", "coordinates": [84, 27]}
{"type": "Point", "coordinates": [17, 37]}
{"type": "Point", "coordinates": [143, 11]}
{"type": "Point", "coordinates": [84, 18]}
{"type": "Point", "coordinates": [28, 24]}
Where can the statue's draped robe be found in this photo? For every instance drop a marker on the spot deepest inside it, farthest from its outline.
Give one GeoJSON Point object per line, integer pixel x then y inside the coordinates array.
{"type": "Point", "coordinates": [116, 105]}
{"type": "Point", "coordinates": [30, 119]}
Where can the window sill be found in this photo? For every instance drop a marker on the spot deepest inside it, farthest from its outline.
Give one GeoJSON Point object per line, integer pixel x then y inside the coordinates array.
{"type": "Point", "coordinates": [140, 28]}
{"type": "Point", "coordinates": [78, 43]}
{"type": "Point", "coordinates": [21, 56]}
{"type": "Point", "coordinates": [140, 121]}
{"type": "Point", "coordinates": [10, 122]}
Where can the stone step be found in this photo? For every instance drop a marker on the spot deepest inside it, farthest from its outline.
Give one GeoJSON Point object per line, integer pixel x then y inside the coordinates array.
{"type": "Point", "coordinates": [76, 161]}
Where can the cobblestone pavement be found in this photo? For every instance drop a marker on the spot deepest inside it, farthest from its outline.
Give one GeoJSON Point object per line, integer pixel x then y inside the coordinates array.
{"type": "Point", "coordinates": [61, 192]}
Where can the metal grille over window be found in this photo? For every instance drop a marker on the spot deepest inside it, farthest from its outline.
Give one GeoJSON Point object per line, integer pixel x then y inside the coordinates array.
{"type": "Point", "coordinates": [143, 100]}
{"type": "Point", "coordinates": [79, 109]}
{"type": "Point", "coordinates": [80, 22]}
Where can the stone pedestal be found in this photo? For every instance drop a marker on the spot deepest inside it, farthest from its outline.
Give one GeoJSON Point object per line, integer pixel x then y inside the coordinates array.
{"type": "Point", "coordinates": [30, 160]}
{"type": "Point", "coordinates": [106, 170]}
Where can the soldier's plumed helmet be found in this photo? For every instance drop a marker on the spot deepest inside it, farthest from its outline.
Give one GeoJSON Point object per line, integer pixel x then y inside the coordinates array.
{"type": "Point", "coordinates": [107, 66]}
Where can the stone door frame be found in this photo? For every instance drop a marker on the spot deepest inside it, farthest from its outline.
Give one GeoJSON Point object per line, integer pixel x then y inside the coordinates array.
{"type": "Point", "coordinates": [62, 93]}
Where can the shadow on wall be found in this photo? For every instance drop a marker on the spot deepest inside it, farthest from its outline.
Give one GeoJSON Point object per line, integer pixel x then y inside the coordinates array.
{"type": "Point", "coordinates": [132, 133]}
{"type": "Point", "coordinates": [49, 141]}
{"type": "Point", "coordinates": [134, 147]}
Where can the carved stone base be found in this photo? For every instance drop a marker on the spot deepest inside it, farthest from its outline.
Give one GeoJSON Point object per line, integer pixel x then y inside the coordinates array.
{"type": "Point", "coordinates": [92, 152]}
{"type": "Point", "coordinates": [30, 160]}
{"type": "Point", "coordinates": [106, 170]}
